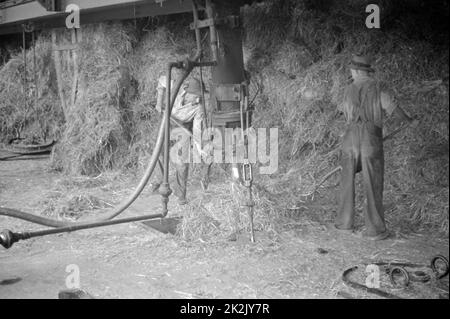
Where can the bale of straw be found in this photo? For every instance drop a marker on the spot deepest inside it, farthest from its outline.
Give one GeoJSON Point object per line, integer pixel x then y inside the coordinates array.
{"type": "Point", "coordinates": [28, 109]}
{"type": "Point", "coordinates": [98, 129]}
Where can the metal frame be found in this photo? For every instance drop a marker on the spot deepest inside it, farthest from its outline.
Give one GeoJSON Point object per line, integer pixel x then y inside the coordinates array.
{"type": "Point", "coordinates": [13, 13]}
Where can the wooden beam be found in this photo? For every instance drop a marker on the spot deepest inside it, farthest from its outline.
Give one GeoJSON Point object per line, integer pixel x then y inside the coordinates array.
{"type": "Point", "coordinates": [90, 12]}
{"type": "Point", "coordinates": [57, 61]}
{"type": "Point", "coordinates": [13, 3]}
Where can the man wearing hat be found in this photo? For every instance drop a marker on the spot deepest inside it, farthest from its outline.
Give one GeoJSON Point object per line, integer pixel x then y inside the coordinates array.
{"type": "Point", "coordinates": [362, 149]}
{"type": "Point", "coordinates": [188, 110]}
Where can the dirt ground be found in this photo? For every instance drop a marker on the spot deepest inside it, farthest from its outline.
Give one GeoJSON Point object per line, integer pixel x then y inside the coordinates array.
{"type": "Point", "coordinates": [131, 261]}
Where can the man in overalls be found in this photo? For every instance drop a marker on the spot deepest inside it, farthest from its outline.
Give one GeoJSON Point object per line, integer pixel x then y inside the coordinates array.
{"type": "Point", "coordinates": [187, 110]}
{"type": "Point", "coordinates": [362, 148]}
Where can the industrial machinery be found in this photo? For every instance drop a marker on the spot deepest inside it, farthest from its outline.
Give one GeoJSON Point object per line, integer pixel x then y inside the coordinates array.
{"type": "Point", "coordinates": [229, 87]}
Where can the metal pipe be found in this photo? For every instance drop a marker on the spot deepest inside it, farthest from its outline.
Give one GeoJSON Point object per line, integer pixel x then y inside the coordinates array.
{"type": "Point", "coordinates": [24, 56]}
{"type": "Point", "coordinates": [34, 69]}
{"type": "Point", "coordinates": [165, 190]}
{"type": "Point", "coordinates": [73, 97]}
{"type": "Point", "coordinates": [187, 67]}
{"type": "Point", "coordinates": [7, 238]}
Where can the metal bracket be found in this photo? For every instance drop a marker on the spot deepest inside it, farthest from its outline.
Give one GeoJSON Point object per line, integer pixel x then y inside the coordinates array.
{"type": "Point", "coordinates": [247, 174]}
{"type": "Point", "coordinates": [228, 93]}
{"type": "Point", "coordinates": [65, 47]}
{"type": "Point", "coordinates": [13, 3]}
{"type": "Point", "coordinates": [232, 21]}
{"type": "Point", "coordinates": [50, 5]}
{"type": "Point", "coordinates": [202, 24]}
{"type": "Point", "coordinates": [28, 27]}
{"type": "Point", "coordinates": [160, 2]}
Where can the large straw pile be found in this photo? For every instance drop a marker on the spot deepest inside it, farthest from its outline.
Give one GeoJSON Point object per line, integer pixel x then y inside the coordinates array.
{"type": "Point", "coordinates": [30, 110]}
{"type": "Point", "coordinates": [99, 125]}
{"type": "Point", "coordinates": [303, 78]}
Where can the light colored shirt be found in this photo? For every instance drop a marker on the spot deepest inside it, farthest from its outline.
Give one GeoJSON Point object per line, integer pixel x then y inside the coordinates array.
{"type": "Point", "coordinates": [381, 100]}
{"type": "Point", "coordinates": [187, 106]}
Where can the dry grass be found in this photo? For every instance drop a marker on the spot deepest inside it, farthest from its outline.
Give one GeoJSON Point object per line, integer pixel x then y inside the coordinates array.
{"type": "Point", "coordinates": [300, 97]}
{"type": "Point", "coordinates": [20, 114]}
{"type": "Point", "coordinates": [74, 197]}
{"type": "Point", "coordinates": [218, 214]}
{"type": "Point", "coordinates": [98, 127]}
{"type": "Point", "coordinates": [74, 206]}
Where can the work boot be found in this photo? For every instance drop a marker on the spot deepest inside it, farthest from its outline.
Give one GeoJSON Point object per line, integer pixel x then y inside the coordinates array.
{"type": "Point", "coordinates": [378, 237]}
{"type": "Point", "coordinates": [181, 198]}
{"type": "Point", "coordinates": [341, 230]}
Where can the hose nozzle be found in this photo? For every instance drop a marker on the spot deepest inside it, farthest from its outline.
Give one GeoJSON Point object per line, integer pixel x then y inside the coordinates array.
{"type": "Point", "coordinates": [7, 238]}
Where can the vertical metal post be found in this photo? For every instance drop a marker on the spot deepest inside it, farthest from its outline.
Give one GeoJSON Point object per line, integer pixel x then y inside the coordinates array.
{"type": "Point", "coordinates": [24, 56]}
{"type": "Point", "coordinates": [165, 187]}
{"type": "Point", "coordinates": [75, 67]}
{"type": "Point", "coordinates": [34, 67]}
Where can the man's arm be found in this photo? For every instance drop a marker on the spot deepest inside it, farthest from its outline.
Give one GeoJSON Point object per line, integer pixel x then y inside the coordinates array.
{"type": "Point", "coordinates": [391, 106]}
{"type": "Point", "coordinates": [401, 114]}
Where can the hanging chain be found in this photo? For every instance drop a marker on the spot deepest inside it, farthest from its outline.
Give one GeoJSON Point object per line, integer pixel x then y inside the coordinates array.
{"type": "Point", "coordinates": [35, 80]}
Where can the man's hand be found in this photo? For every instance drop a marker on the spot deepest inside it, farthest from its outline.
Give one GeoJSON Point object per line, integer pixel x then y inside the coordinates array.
{"type": "Point", "coordinates": [405, 119]}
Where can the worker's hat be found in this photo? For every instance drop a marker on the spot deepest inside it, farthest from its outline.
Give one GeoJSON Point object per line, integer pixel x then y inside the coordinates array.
{"type": "Point", "coordinates": [361, 62]}
{"type": "Point", "coordinates": [193, 87]}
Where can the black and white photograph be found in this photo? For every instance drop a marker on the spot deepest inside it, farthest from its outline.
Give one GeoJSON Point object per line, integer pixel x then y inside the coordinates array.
{"type": "Point", "coordinates": [224, 157]}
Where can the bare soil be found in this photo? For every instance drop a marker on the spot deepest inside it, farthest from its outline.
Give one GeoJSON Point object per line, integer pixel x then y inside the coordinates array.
{"type": "Point", "coordinates": [131, 261]}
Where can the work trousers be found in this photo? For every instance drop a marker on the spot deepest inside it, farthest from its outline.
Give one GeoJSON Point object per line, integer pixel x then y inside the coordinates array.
{"type": "Point", "coordinates": [362, 151]}
{"type": "Point", "coordinates": [182, 171]}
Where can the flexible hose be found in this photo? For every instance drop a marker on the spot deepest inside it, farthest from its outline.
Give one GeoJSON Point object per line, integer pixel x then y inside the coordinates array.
{"type": "Point", "coordinates": [14, 213]}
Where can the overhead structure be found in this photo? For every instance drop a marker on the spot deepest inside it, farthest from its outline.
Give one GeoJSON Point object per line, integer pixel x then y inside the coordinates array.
{"type": "Point", "coordinates": [52, 13]}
